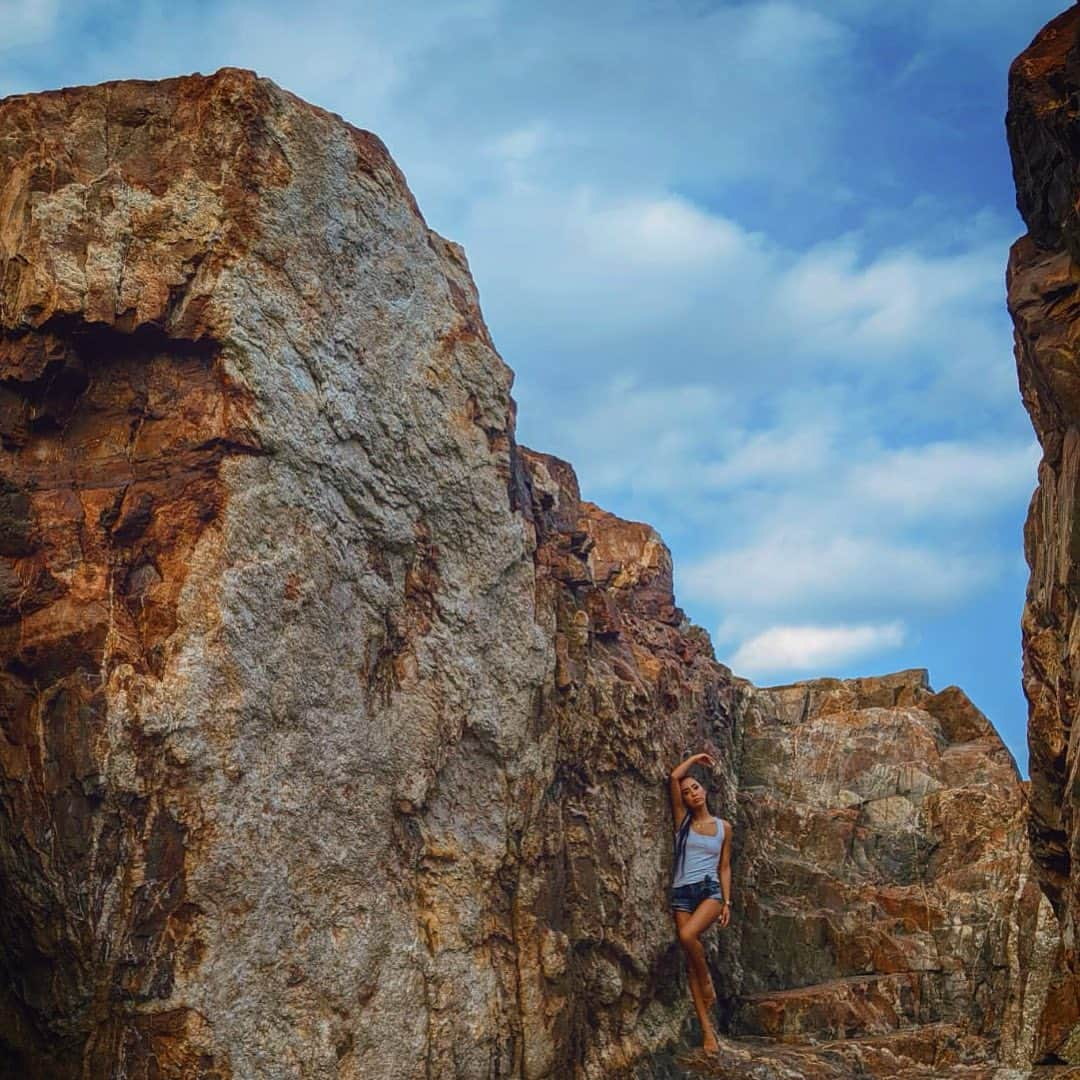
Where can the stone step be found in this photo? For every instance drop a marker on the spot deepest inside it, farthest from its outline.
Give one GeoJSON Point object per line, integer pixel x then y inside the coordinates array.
{"type": "Point", "coordinates": [926, 1052]}
{"type": "Point", "coordinates": [845, 1008]}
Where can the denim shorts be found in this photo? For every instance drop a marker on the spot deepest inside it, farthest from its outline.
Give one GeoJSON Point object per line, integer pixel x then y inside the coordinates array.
{"type": "Point", "coordinates": [687, 897]}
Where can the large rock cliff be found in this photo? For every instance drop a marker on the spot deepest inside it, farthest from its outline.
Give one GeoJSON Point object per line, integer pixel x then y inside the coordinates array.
{"type": "Point", "coordinates": [1044, 298]}
{"type": "Point", "coordinates": [335, 726]}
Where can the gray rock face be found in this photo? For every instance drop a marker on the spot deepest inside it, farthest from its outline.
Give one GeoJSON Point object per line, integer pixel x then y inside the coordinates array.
{"type": "Point", "coordinates": [335, 729]}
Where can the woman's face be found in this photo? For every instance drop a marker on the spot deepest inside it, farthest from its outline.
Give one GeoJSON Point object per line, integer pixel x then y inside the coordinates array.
{"type": "Point", "coordinates": [693, 794]}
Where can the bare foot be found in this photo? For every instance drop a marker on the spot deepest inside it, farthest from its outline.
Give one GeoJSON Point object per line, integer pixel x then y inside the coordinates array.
{"type": "Point", "coordinates": [710, 1045]}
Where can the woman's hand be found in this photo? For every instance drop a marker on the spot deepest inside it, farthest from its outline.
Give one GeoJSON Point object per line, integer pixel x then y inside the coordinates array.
{"type": "Point", "coordinates": [725, 914]}
{"type": "Point", "coordinates": [681, 770]}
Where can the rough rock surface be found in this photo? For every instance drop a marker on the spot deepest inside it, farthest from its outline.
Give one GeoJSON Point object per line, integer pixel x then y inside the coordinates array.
{"type": "Point", "coordinates": [889, 899]}
{"type": "Point", "coordinates": [1044, 299]}
{"type": "Point", "coordinates": [334, 726]}
{"type": "Point", "coordinates": [634, 688]}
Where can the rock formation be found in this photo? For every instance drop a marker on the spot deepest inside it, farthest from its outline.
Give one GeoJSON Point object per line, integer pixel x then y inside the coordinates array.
{"type": "Point", "coordinates": [890, 902]}
{"type": "Point", "coordinates": [335, 726]}
{"type": "Point", "coordinates": [1044, 300]}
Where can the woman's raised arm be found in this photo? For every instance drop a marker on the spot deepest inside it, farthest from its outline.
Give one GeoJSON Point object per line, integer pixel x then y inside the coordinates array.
{"type": "Point", "coordinates": [678, 808]}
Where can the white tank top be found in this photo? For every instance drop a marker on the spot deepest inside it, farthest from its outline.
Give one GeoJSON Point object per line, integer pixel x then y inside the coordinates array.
{"type": "Point", "coordinates": [700, 857]}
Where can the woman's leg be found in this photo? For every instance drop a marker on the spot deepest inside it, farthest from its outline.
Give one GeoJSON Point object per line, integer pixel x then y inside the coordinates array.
{"type": "Point", "coordinates": [690, 931]}
{"type": "Point", "coordinates": [706, 989]}
{"type": "Point", "coordinates": [690, 926]}
{"type": "Point", "coordinates": [696, 994]}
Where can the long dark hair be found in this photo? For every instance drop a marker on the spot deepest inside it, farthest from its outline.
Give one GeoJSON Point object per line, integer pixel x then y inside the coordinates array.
{"type": "Point", "coordinates": [680, 844]}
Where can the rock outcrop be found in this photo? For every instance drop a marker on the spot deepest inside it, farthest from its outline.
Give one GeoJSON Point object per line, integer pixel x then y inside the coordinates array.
{"type": "Point", "coordinates": [1044, 299]}
{"type": "Point", "coordinates": [889, 896]}
{"type": "Point", "coordinates": [335, 726]}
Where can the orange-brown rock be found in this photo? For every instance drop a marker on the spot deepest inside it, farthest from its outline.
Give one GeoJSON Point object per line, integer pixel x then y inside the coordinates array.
{"type": "Point", "coordinates": [334, 728]}
{"type": "Point", "coordinates": [886, 883]}
{"type": "Point", "coordinates": [634, 686]}
{"type": "Point", "coordinates": [1044, 299]}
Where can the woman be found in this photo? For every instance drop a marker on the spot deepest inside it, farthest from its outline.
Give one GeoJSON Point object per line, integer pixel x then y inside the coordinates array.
{"type": "Point", "coordinates": [701, 882]}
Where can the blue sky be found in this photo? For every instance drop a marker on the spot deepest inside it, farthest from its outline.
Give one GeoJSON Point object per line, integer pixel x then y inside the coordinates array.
{"type": "Point", "coordinates": [746, 259]}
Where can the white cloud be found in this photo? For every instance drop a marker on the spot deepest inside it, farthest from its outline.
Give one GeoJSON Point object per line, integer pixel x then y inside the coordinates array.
{"type": "Point", "coordinates": [519, 144]}
{"type": "Point", "coordinates": [957, 480]}
{"type": "Point", "coordinates": [813, 648]}
{"type": "Point", "coordinates": [798, 570]}
{"type": "Point", "coordinates": [516, 149]}
{"type": "Point", "coordinates": [804, 530]}
{"type": "Point", "coordinates": [627, 435]}
{"type": "Point", "coordinates": [694, 294]}
{"type": "Point", "coordinates": [658, 233]}
{"type": "Point", "coordinates": [774, 455]}
{"type": "Point", "coordinates": [891, 301]}
{"type": "Point", "coordinates": [789, 33]}
{"type": "Point", "coordinates": [584, 265]}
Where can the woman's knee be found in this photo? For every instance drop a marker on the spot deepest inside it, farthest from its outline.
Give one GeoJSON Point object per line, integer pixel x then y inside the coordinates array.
{"type": "Point", "coordinates": [688, 939]}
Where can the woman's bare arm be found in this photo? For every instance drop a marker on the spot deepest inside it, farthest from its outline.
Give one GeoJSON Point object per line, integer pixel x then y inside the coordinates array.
{"type": "Point", "coordinates": [725, 873]}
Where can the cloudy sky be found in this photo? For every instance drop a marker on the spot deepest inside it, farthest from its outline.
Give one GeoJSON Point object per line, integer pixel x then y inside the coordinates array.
{"type": "Point", "coordinates": [746, 259]}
